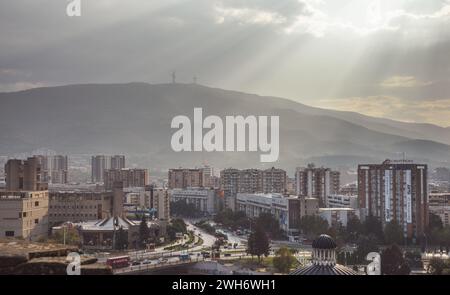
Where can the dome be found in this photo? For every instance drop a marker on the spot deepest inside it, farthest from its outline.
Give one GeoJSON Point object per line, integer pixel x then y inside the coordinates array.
{"type": "Point", "coordinates": [324, 242]}
{"type": "Point", "coordinates": [324, 270]}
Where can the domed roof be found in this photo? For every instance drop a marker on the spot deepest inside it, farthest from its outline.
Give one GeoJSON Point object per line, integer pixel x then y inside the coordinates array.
{"type": "Point", "coordinates": [324, 242]}
{"type": "Point", "coordinates": [324, 270]}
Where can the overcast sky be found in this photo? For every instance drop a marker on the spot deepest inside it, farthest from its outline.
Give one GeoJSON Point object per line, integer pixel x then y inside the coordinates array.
{"type": "Point", "coordinates": [387, 58]}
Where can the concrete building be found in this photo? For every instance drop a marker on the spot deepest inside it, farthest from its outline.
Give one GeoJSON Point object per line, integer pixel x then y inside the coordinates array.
{"type": "Point", "coordinates": [24, 175]}
{"type": "Point", "coordinates": [204, 199]}
{"type": "Point", "coordinates": [79, 206]}
{"type": "Point", "coordinates": [129, 177]}
{"type": "Point", "coordinates": [55, 169]}
{"type": "Point", "coordinates": [338, 216]}
{"type": "Point", "coordinates": [159, 200]}
{"type": "Point", "coordinates": [342, 201]}
{"type": "Point", "coordinates": [274, 181]}
{"type": "Point", "coordinates": [317, 182]}
{"type": "Point", "coordinates": [183, 178]}
{"type": "Point", "coordinates": [250, 181]}
{"type": "Point", "coordinates": [287, 210]}
{"type": "Point", "coordinates": [100, 163]}
{"type": "Point", "coordinates": [439, 204]}
{"type": "Point", "coordinates": [395, 190]}
{"type": "Point", "coordinates": [24, 214]}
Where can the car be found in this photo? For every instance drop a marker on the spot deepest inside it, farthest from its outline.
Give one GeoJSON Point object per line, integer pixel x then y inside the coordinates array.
{"type": "Point", "coordinates": [227, 254]}
{"type": "Point", "coordinates": [162, 260]}
{"type": "Point", "coordinates": [134, 263]}
{"type": "Point", "coordinates": [147, 261]}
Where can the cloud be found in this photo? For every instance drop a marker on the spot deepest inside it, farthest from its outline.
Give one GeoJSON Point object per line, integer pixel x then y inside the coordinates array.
{"type": "Point", "coordinates": [403, 82]}
{"type": "Point", "coordinates": [19, 86]}
{"type": "Point", "coordinates": [429, 111]}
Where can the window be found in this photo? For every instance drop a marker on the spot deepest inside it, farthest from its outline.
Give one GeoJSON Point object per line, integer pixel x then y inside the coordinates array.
{"type": "Point", "coordinates": [36, 203]}
{"type": "Point", "coordinates": [9, 233]}
{"type": "Point", "coordinates": [36, 221]}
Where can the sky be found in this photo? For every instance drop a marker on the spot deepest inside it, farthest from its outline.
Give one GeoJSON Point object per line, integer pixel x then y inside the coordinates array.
{"type": "Point", "coordinates": [384, 58]}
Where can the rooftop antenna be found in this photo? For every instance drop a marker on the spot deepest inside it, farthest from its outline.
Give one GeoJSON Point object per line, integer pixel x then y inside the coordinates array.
{"type": "Point", "coordinates": [174, 77]}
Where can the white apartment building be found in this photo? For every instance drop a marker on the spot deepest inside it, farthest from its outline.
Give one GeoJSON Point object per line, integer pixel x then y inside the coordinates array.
{"type": "Point", "coordinates": [342, 201]}
{"type": "Point", "coordinates": [338, 216]}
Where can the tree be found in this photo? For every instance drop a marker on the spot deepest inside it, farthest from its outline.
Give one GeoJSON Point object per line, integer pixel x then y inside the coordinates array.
{"type": "Point", "coordinates": [284, 260]}
{"type": "Point", "coordinates": [354, 229]}
{"type": "Point", "coordinates": [144, 232]}
{"type": "Point", "coordinates": [121, 239]}
{"type": "Point", "coordinates": [258, 243]}
{"type": "Point", "coordinates": [393, 263]}
{"type": "Point", "coordinates": [72, 237]}
{"type": "Point", "coordinates": [312, 226]}
{"type": "Point", "coordinates": [435, 222]}
{"type": "Point", "coordinates": [365, 245]}
{"type": "Point", "coordinates": [393, 233]}
{"type": "Point", "coordinates": [270, 224]}
{"type": "Point", "coordinates": [182, 208]}
{"type": "Point", "coordinates": [176, 226]}
{"type": "Point", "coordinates": [372, 226]}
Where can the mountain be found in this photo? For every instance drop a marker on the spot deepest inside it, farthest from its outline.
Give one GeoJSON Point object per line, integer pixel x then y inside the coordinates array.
{"type": "Point", "coordinates": [135, 119]}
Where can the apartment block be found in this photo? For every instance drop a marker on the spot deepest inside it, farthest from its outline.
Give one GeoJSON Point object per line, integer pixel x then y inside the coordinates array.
{"type": "Point", "coordinates": [439, 204]}
{"type": "Point", "coordinates": [25, 175]}
{"type": "Point", "coordinates": [395, 190]}
{"type": "Point", "coordinates": [184, 178]}
{"type": "Point", "coordinates": [100, 163]}
{"type": "Point", "coordinates": [129, 177]}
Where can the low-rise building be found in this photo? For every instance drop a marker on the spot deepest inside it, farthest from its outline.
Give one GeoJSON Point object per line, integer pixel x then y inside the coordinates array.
{"type": "Point", "coordinates": [288, 210]}
{"type": "Point", "coordinates": [24, 214]}
{"type": "Point", "coordinates": [79, 206]}
{"type": "Point", "coordinates": [337, 216]}
{"type": "Point", "coordinates": [342, 201]}
{"type": "Point", "coordinates": [204, 199]}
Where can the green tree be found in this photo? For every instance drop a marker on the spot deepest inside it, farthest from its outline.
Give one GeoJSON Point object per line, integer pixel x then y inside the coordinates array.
{"type": "Point", "coordinates": [365, 245]}
{"type": "Point", "coordinates": [435, 222]}
{"type": "Point", "coordinates": [176, 226]}
{"type": "Point", "coordinates": [144, 232]}
{"type": "Point", "coordinates": [284, 260]}
{"type": "Point", "coordinates": [72, 236]}
{"type": "Point", "coordinates": [313, 225]}
{"type": "Point", "coordinates": [121, 239]}
{"type": "Point", "coordinates": [258, 243]}
{"type": "Point", "coordinates": [372, 226]}
{"type": "Point", "coordinates": [393, 233]}
{"type": "Point", "coordinates": [393, 263]}
{"type": "Point", "coordinates": [354, 229]}
{"type": "Point", "coordinates": [270, 224]}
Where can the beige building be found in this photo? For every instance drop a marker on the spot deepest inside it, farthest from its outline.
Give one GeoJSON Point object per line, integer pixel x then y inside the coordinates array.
{"type": "Point", "coordinates": [24, 214]}
{"type": "Point", "coordinates": [129, 177]}
{"type": "Point", "coordinates": [184, 178]}
{"type": "Point", "coordinates": [26, 175]}
{"type": "Point", "coordinates": [79, 206]}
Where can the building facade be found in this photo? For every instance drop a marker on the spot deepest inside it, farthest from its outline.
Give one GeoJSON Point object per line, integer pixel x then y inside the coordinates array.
{"type": "Point", "coordinates": [317, 182]}
{"type": "Point", "coordinates": [81, 206]}
{"type": "Point", "coordinates": [338, 216]}
{"type": "Point", "coordinates": [100, 163]}
{"type": "Point", "coordinates": [24, 214]}
{"type": "Point", "coordinates": [395, 190]}
{"type": "Point", "coordinates": [25, 175]}
{"type": "Point", "coordinates": [342, 201]}
{"type": "Point", "coordinates": [204, 199]}
{"type": "Point", "coordinates": [129, 177]}
{"type": "Point", "coordinates": [439, 204]}
{"type": "Point", "coordinates": [184, 178]}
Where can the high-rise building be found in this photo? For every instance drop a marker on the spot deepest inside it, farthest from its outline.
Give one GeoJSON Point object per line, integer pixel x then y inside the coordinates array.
{"type": "Point", "coordinates": [24, 175]}
{"type": "Point", "coordinates": [159, 200]}
{"type": "Point", "coordinates": [251, 181]}
{"type": "Point", "coordinates": [317, 182]}
{"type": "Point", "coordinates": [439, 204]}
{"type": "Point", "coordinates": [185, 178]}
{"type": "Point", "coordinates": [204, 199]}
{"type": "Point", "coordinates": [101, 163]}
{"type": "Point", "coordinates": [129, 177]}
{"type": "Point", "coordinates": [274, 181]}
{"type": "Point", "coordinates": [54, 169]}
{"type": "Point", "coordinates": [395, 190]}
{"type": "Point", "coordinates": [229, 181]}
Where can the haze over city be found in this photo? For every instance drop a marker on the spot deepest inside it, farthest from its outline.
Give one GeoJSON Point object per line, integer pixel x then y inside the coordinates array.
{"type": "Point", "coordinates": [381, 58]}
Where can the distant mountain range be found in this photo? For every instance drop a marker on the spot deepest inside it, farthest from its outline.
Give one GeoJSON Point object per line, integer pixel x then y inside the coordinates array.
{"type": "Point", "coordinates": [135, 119]}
